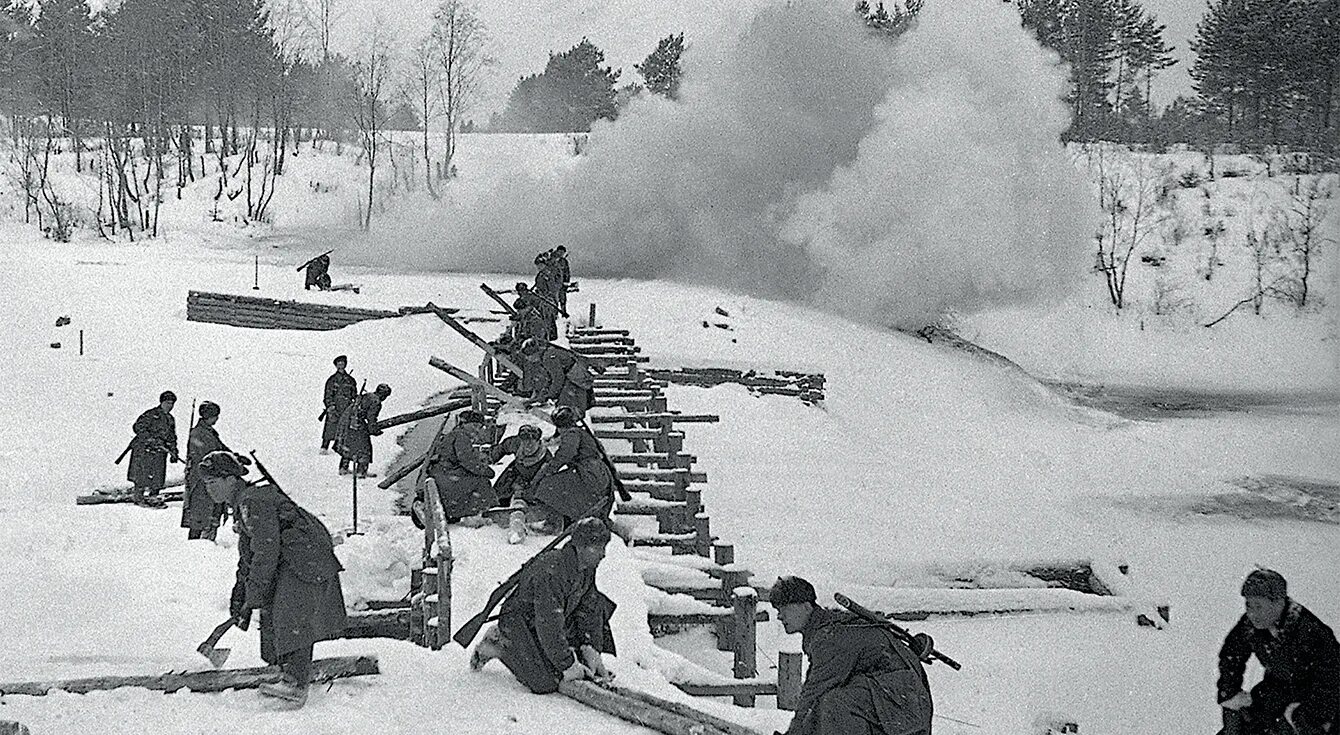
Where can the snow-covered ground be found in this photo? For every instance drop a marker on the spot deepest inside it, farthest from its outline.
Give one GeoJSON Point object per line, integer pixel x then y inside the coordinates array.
{"type": "Point", "coordinates": [920, 456]}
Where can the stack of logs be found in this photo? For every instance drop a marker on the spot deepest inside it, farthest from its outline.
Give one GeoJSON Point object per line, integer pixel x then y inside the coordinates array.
{"type": "Point", "coordinates": [808, 387]}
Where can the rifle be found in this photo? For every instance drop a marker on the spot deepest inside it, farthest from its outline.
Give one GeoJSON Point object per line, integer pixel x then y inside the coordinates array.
{"type": "Point", "coordinates": [624, 495]}
{"type": "Point", "coordinates": [466, 633]}
{"type": "Point", "coordinates": [550, 302]}
{"type": "Point", "coordinates": [304, 265]}
{"type": "Point", "coordinates": [898, 631]}
{"type": "Point", "coordinates": [265, 474]}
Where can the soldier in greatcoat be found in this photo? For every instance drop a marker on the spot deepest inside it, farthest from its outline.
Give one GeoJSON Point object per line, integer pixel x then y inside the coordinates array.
{"type": "Point", "coordinates": [1299, 692]}
{"type": "Point", "coordinates": [357, 427]}
{"type": "Point", "coordinates": [528, 455]}
{"type": "Point", "coordinates": [154, 444]}
{"type": "Point", "coordinates": [861, 679]}
{"type": "Point", "coordinates": [317, 273]}
{"type": "Point", "coordinates": [455, 468]}
{"type": "Point", "coordinates": [199, 513]}
{"type": "Point", "coordinates": [575, 480]}
{"type": "Point", "coordinates": [561, 375]}
{"type": "Point", "coordinates": [558, 260]}
{"type": "Point", "coordinates": [555, 625]}
{"type": "Point", "coordinates": [341, 390]}
{"type": "Point", "coordinates": [286, 568]}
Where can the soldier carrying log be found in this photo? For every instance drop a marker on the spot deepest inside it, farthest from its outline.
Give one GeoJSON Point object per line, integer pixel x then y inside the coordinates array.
{"type": "Point", "coordinates": [1299, 693]}
{"type": "Point", "coordinates": [154, 444]}
{"type": "Point", "coordinates": [286, 568]}
{"type": "Point", "coordinates": [554, 625]}
{"type": "Point", "coordinates": [317, 272]}
{"type": "Point", "coordinates": [340, 391]}
{"type": "Point", "coordinates": [200, 515]}
{"type": "Point", "coordinates": [560, 375]}
{"type": "Point", "coordinates": [862, 678]}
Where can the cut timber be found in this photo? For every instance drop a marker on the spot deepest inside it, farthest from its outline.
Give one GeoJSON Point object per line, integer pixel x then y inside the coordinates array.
{"type": "Point", "coordinates": [424, 413]}
{"type": "Point", "coordinates": [325, 669]}
{"type": "Point", "coordinates": [385, 623]}
{"type": "Point", "coordinates": [725, 726]}
{"type": "Point", "coordinates": [664, 460]}
{"type": "Point", "coordinates": [675, 475]}
{"type": "Point", "coordinates": [654, 418]}
{"type": "Point", "coordinates": [99, 499]}
{"type": "Point", "coordinates": [644, 713]}
{"type": "Point", "coordinates": [401, 473]}
{"type": "Point", "coordinates": [494, 295]}
{"type": "Point", "coordinates": [666, 620]}
{"type": "Point", "coordinates": [590, 331]}
{"type": "Point", "coordinates": [628, 434]}
{"type": "Point", "coordinates": [475, 339]}
{"type": "Point", "coordinates": [761, 689]}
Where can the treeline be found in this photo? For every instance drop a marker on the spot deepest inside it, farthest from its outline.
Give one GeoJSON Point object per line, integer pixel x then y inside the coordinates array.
{"type": "Point", "coordinates": [132, 91]}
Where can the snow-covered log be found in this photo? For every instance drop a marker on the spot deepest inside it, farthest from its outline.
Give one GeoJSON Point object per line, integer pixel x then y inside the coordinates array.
{"type": "Point", "coordinates": [325, 669]}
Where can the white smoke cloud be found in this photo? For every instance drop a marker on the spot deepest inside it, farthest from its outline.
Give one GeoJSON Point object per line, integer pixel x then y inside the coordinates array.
{"type": "Point", "coordinates": [813, 161]}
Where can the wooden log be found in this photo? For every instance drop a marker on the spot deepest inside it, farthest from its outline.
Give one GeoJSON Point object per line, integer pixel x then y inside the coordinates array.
{"type": "Point", "coordinates": [389, 623]}
{"type": "Point", "coordinates": [654, 418]}
{"type": "Point", "coordinates": [635, 710]}
{"type": "Point", "coordinates": [591, 317]}
{"type": "Point", "coordinates": [628, 434]}
{"type": "Point", "coordinates": [726, 726]}
{"type": "Point", "coordinates": [723, 554]}
{"type": "Point", "coordinates": [693, 502]}
{"type": "Point", "coordinates": [586, 331]}
{"type": "Point", "coordinates": [744, 662]}
{"type": "Point", "coordinates": [325, 669]}
{"type": "Point", "coordinates": [703, 538]}
{"type": "Point", "coordinates": [659, 459]}
{"type": "Point", "coordinates": [401, 473]}
{"type": "Point", "coordinates": [496, 297]}
{"type": "Point", "coordinates": [765, 689]}
{"type": "Point", "coordinates": [699, 618]}
{"type": "Point", "coordinates": [423, 413]}
{"type": "Point", "coordinates": [476, 340]}
{"type": "Point", "coordinates": [680, 476]}
{"type": "Point", "coordinates": [789, 666]}
{"type": "Point", "coordinates": [169, 496]}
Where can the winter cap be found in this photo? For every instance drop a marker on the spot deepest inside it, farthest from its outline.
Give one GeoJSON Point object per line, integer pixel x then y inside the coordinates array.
{"type": "Point", "coordinates": [530, 431]}
{"type": "Point", "coordinates": [470, 416]}
{"type": "Point", "coordinates": [1266, 583]}
{"type": "Point", "coordinates": [383, 390]}
{"type": "Point", "coordinates": [590, 532]}
{"type": "Point", "coordinates": [167, 395]}
{"type": "Point", "coordinates": [342, 360]}
{"type": "Point", "coordinates": [564, 416]}
{"type": "Point", "coordinates": [208, 409]}
{"type": "Point", "coordinates": [561, 249]}
{"type": "Point", "coordinates": [223, 463]}
{"type": "Point", "coordinates": [522, 286]}
{"type": "Point", "coordinates": [791, 590]}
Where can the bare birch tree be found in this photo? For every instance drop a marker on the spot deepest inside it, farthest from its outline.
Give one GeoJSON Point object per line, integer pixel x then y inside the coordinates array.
{"type": "Point", "coordinates": [368, 103]}
{"type": "Point", "coordinates": [462, 41]}
{"type": "Point", "coordinates": [423, 90]}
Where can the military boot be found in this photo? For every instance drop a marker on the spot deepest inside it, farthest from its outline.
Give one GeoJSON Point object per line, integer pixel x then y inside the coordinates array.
{"type": "Point", "coordinates": [286, 690]}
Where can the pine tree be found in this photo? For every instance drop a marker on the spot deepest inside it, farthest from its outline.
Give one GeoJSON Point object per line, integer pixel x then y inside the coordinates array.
{"type": "Point", "coordinates": [572, 93]}
{"type": "Point", "coordinates": [661, 69]}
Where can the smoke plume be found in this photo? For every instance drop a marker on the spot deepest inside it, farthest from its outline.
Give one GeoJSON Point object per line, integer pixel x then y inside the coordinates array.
{"type": "Point", "coordinates": [816, 161]}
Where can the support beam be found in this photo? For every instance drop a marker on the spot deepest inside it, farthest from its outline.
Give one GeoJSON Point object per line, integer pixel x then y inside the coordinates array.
{"type": "Point", "coordinates": [649, 714]}
{"type": "Point", "coordinates": [325, 669]}
{"type": "Point", "coordinates": [423, 413]}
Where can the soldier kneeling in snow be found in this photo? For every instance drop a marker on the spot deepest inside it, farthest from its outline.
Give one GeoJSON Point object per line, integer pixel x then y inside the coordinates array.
{"type": "Point", "coordinates": [1300, 690]}
{"type": "Point", "coordinates": [861, 680]}
{"type": "Point", "coordinates": [555, 624]}
{"type": "Point", "coordinates": [286, 568]}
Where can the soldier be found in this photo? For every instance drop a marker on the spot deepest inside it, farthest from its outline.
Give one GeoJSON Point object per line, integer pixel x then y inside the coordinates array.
{"type": "Point", "coordinates": [341, 390]}
{"type": "Point", "coordinates": [286, 568]}
{"type": "Point", "coordinates": [317, 274]}
{"type": "Point", "coordinates": [199, 513]}
{"type": "Point", "coordinates": [558, 258]}
{"type": "Point", "coordinates": [555, 624]}
{"type": "Point", "coordinates": [357, 427]}
{"type": "Point", "coordinates": [1300, 689]}
{"type": "Point", "coordinates": [563, 376]}
{"type": "Point", "coordinates": [546, 294]}
{"type": "Point", "coordinates": [574, 480]}
{"type": "Point", "coordinates": [861, 679]}
{"type": "Point", "coordinates": [455, 470]}
{"type": "Point", "coordinates": [154, 444]}
{"type": "Point", "coordinates": [529, 455]}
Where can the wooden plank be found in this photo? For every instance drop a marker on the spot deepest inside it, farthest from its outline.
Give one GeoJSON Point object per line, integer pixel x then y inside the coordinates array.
{"type": "Point", "coordinates": [628, 434]}
{"type": "Point", "coordinates": [762, 689]}
{"type": "Point", "coordinates": [494, 295]}
{"type": "Point", "coordinates": [730, 728]}
{"type": "Point", "coordinates": [170, 496]}
{"type": "Point", "coordinates": [654, 418]}
{"type": "Point", "coordinates": [386, 623]}
{"type": "Point", "coordinates": [699, 618]}
{"type": "Point", "coordinates": [325, 669]}
{"type": "Point", "coordinates": [639, 712]}
{"type": "Point", "coordinates": [423, 413]}
{"type": "Point", "coordinates": [476, 340]}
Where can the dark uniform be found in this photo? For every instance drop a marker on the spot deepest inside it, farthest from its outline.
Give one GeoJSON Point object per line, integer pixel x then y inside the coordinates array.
{"type": "Point", "coordinates": [318, 274]}
{"type": "Point", "coordinates": [357, 427]}
{"type": "Point", "coordinates": [341, 390]}
{"type": "Point", "coordinates": [1302, 665]}
{"type": "Point", "coordinates": [554, 609]}
{"type": "Point", "coordinates": [461, 475]}
{"type": "Point", "coordinates": [516, 477]}
{"type": "Point", "coordinates": [563, 273]}
{"type": "Point", "coordinates": [199, 513]}
{"type": "Point", "coordinates": [287, 569]}
{"type": "Point", "coordinates": [155, 441]}
{"type": "Point", "coordinates": [861, 680]}
{"type": "Point", "coordinates": [575, 478]}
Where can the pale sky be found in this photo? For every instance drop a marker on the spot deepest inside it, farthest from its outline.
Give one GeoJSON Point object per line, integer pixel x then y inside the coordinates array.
{"type": "Point", "coordinates": [1181, 17]}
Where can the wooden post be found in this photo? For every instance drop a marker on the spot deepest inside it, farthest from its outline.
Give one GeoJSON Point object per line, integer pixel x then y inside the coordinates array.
{"type": "Point", "coordinates": [81, 343]}
{"type": "Point", "coordinates": [354, 474]}
{"type": "Point", "coordinates": [416, 606]}
{"type": "Point", "coordinates": [723, 554]}
{"type": "Point", "coordinates": [693, 501]}
{"type": "Point", "coordinates": [430, 604]}
{"type": "Point", "coordinates": [788, 680]}
{"type": "Point", "coordinates": [591, 315]}
{"type": "Point", "coordinates": [725, 627]}
{"type": "Point", "coordinates": [256, 284]}
{"type": "Point", "coordinates": [702, 527]}
{"type": "Point", "coordinates": [744, 640]}
{"type": "Point", "coordinates": [477, 396]}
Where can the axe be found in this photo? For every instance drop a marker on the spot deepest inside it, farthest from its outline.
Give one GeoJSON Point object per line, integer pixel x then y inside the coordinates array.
{"type": "Point", "coordinates": [217, 656]}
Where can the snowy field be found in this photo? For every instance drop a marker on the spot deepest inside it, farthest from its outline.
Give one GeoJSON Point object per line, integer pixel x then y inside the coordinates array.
{"type": "Point", "coordinates": [920, 456]}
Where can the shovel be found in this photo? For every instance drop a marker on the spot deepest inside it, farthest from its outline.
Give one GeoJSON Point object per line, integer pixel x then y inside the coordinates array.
{"type": "Point", "coordinates": [216, 656]}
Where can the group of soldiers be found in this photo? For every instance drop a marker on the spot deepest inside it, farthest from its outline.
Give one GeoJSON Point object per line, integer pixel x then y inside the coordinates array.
{"type": "Point", "coordinates": [554, 623]}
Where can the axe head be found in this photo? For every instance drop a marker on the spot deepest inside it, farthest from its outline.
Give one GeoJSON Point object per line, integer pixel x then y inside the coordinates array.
{"type": "Point", "coordinates": [216, 656]}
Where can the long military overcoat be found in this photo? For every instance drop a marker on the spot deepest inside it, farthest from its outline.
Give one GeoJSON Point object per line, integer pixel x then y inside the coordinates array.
{"type": "Point", "coordinates": [861, 680]}
{"type": "Point", "coordinates": [356, 428]}
{"type": "Point", "coordinates": [341, 390]}
{"type": "Point", "coordinates": [199, 512]}
{"type": "Point", "coordinates": [155, 441]}
{"type": "Point", "coordinates": [555, 609]}
{"type": "Point", "coordinates": [286, 568]}
{"type": "Point", "coordinates": [461, 474]}
{"type": "Point", "coordinates": [576, 478]}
